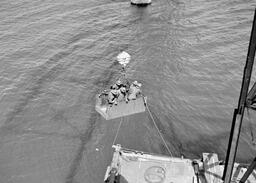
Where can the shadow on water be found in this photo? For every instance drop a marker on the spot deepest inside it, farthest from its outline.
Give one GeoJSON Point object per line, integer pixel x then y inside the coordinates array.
{"type": "Point", "coordinates": [169, 134]}
{"type": "Point", "coordinates": [102, 82]}
{"type": "Point", "coordinates": [40, 77]}
{"type": "Point", "coordinates": [180, 147]}
{"type": "Point", "coordinates": [139, 12]}
{"type": "Point", "coordinates": [193, 146]}
{"type": "Point", "coordinates": [46, 73]}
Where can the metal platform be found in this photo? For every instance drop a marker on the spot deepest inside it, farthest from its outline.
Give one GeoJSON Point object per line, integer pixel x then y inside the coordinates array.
{"type": "Point", "coordinates": [121, 109]}
{"type": "Point", "coordinates": [135, 166]}
{"type": "Point", "coordinates": [142, 167]}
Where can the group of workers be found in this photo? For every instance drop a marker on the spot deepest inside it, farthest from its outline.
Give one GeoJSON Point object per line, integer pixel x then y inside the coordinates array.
{"type": "Point", "coordinates": [122, 92]}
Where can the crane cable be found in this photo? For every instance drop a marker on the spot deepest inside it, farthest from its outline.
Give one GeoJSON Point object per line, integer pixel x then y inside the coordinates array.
{"type": "Point", "coordinates": [117, 132]}
{"type": "Point", "coordinates": [159, 132]}
{"type": "Point", "coordinates": [121, 15]}
{"type": "Point", "coordinates": [120, 123]}
{"type": "Point", "coordinates": [251, 130]}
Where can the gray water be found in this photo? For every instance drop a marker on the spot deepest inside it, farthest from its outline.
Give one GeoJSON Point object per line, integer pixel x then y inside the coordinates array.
{"type": "Point", "coordinates": [55, 55]}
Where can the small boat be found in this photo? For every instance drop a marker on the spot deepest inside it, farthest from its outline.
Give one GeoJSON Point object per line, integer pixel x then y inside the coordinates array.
{"type": "Point", "coordinates": [141, 2]}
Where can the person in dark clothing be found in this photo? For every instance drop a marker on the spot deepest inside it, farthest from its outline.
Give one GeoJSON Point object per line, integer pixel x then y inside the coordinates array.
{"type": "Point", "coordinates": [113, 96]}
{"type": "Point", "coordinates": [117, 85]}
{"type": "Point", "coordinates": [123, 94]}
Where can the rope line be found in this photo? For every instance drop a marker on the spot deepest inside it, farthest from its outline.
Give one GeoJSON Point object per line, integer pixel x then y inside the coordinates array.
{"type": "Point", "coordinates": [251, 128]}
{"type": "Point", "coordinates": [159, 132]}
{"type": "Point", "coordinates": [117, 132]}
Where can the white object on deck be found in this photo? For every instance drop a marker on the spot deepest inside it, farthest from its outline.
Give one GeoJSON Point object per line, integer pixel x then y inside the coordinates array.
{"type": "Point", "coordinates": [141, 2]}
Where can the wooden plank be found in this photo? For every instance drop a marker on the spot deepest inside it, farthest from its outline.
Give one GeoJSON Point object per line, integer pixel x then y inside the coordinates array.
{"type": "Point", "coordinates": [211, 168]}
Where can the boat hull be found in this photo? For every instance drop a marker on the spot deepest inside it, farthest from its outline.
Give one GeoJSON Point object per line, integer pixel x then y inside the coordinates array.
{"type": "Point", "coordinates": [141, 2]}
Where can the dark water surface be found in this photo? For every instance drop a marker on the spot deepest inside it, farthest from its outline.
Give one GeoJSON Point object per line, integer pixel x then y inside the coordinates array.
{"type": "Point", "coordinates": [55, 55]}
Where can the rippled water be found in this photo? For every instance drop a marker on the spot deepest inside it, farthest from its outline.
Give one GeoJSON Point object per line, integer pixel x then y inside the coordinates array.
{"type": "Point", "coordinates": [56, 55]}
